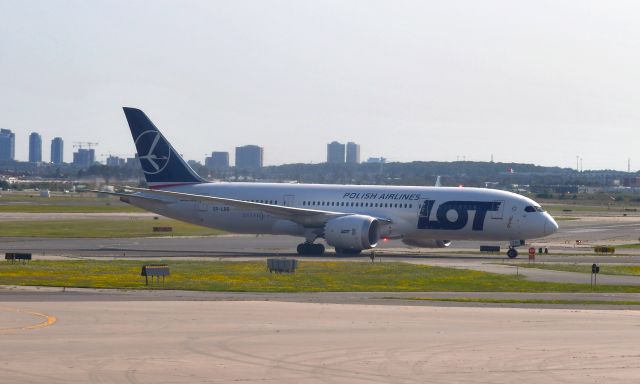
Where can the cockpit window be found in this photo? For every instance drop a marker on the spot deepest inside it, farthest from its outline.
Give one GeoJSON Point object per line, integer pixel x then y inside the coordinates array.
{"type": "Point", "coordinates": [531, 208]}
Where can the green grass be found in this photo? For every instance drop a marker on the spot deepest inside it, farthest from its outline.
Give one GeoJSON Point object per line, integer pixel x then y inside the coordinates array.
{"type": "Point", "coordinates": [54, 199]}
{"type": "Point", "coordinates": [605, 269]}
{"type": "Point", "coordinates": [519, 301]}
{"type": "Point", "coordinates": [72, 203]}
{"type": "Point", "coordinates": [632, 246]}
{"type": "Point", "coordinates": [57, 208]}
{"type": "Point", "coordinates": [252, 276]}
{"type": "Point", "coordinates": [105, 228]}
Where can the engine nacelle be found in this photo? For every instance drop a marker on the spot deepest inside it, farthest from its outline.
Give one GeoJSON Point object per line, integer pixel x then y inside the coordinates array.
{"type": "Point", "coordinates": [425, 243]}
{"type": "Point", "coordinates": [356, 232]}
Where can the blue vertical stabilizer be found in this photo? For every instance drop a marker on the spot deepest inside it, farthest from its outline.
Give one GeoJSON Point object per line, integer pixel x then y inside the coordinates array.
{"type": "Point", "coordinates": [161, 164]}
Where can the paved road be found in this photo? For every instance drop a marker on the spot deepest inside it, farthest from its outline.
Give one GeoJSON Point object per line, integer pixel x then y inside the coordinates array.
{"type": "Point", "coordinates": [589, 230]}
{"type": "Point", "coordinates": [10, 294]}
{"type": "Point", "coordinates": [231, 245]}
{"type": "Point", "coordinates": [285, 342]}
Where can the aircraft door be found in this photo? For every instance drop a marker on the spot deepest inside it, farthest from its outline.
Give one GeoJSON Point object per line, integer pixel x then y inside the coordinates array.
{"type": "Point", "coordinates": [289, 200]}
{"type": "Point", "coordinates": [201, 206]}
{"type": "Point", "coordinates": [424, 208]}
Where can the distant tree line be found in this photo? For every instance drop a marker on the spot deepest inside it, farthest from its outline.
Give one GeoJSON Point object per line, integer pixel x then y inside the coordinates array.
{"type": "Point", "coordinates": [417, 173]}
{"type": "Point", "coordinates": [465, 173]}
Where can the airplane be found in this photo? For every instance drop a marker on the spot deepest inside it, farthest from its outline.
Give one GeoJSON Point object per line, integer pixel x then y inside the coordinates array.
{"type": "Point", "coordinates": [350, 218]}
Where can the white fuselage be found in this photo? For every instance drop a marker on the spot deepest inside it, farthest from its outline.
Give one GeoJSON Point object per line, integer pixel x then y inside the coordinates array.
{"type": "Point", "coordinates": [415, 212]}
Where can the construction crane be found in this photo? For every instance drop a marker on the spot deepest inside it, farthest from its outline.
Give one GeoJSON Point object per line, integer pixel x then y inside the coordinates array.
{"type": "Point", "coordinates": [82, 144]}
{"type": "Point", "coordinates": [112, 154]}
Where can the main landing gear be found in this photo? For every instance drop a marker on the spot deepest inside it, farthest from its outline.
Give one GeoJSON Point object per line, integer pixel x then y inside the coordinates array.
{"type": "Point", "coordinates": [310, 249]}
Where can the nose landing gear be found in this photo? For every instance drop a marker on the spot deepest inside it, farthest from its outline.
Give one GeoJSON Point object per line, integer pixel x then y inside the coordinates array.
{"type": "Point", "coordinates": [512, 253]}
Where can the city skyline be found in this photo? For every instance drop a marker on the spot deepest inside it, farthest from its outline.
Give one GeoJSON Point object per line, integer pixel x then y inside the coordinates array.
{"type": "Point", "coordinates": [413, 80]}
{"type": "Point", "coordinates": [627, 164]}
{"type": "Point", "coordinates": [102, 158]}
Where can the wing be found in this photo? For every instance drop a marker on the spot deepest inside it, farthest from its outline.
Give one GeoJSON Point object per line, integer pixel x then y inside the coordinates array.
{"type": "Point", "coordinates": [303, 216]}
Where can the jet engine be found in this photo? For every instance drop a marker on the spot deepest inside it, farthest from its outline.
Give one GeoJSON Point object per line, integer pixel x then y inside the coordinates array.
{"type": "Point", "coordinates": [352, 232]}
{"type": "Point", "coordinates": [424, 243]}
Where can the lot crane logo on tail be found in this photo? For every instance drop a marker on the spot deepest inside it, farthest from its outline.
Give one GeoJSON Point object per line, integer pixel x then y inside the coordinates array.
{"type": "Point", "coordinates": [161, 164]}
{"type": "Point", "coordinates": [157, 158]}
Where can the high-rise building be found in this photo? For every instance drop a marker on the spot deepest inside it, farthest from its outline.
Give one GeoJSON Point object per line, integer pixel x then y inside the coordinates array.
{"type": "Point", "coordinates": [249, 157]}
{"type": "Point", "coordinates": [115, 161]}
{"type": "Point", "coordinates": [7, 145]}
{"type": "Point", "coordinates": [217, 160]}
{"type": "Point", "coordinates": [335, 153]}
{"type": "Point", "coordinates": [35, 147]}
{"type": "Point", "coordinates": [132, 163]}
{"type": "Point", "coordinates": [84, 157]}
{"type": "Point", "coordinates": [57, 150]}
{"type": "Point", "coordinates": [353, 153]}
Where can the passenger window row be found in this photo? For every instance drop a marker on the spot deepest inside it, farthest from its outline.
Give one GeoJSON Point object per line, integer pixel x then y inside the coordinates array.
{"type": "Point", "coordinates": [355, 204]}
{"type": "Point", "coordinates": [341, 204]}
{"type": "Point", "coordinates": [272, 202]}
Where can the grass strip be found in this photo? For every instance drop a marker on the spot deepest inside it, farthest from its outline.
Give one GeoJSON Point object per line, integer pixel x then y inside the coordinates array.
{"type": "Point", "coordinates": [252, 276]}
{"type": "Point", "coordinates": [519, 301]}
{"type": "Point", "coordinates": [632, 246]}
{"type": "Point", "coordinates": [77, 208]}
{"type": "Point", "coordinates": [605, 269]}
{"type": "Point", "coordinates": [108, 228]}
{"type": "Point", "coordinates": [70, 198]}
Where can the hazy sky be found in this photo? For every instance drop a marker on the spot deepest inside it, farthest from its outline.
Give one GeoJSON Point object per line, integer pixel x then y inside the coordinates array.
{"type": "Point", "coordinates": [527, 81]}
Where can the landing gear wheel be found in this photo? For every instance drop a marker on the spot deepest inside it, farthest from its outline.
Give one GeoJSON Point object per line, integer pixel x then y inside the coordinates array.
{"type": "Point", "coordinates": [512, 253]}
{"type": "Point", "coordinates": [310, 249]}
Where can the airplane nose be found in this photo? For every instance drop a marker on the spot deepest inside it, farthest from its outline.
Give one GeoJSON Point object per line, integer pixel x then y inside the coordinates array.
{"type": "Point", "coordinates": [550, 225]}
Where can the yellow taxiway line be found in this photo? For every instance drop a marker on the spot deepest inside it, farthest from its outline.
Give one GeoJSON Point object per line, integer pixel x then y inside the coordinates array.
{"type": "Point", "coordinates": [49, 320]}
